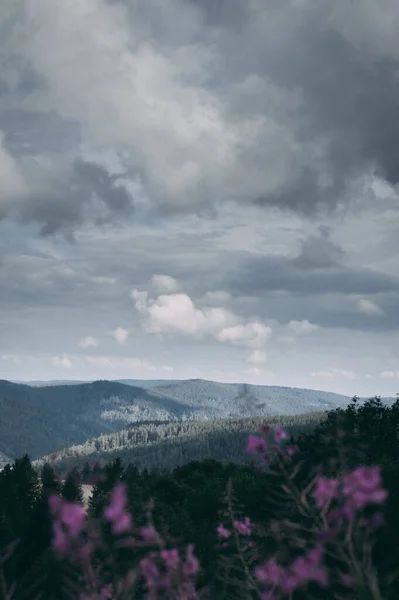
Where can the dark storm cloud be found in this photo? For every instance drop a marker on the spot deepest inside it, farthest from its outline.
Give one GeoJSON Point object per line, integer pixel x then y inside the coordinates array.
{"type": "Point", "coordinates": [306, 94]}
{"type": "Point", "coordinates": [319, 252]}
{"type": "Point", "coordinates": [87, 193]}
{"type": "Point", "coordinates": [257, 275]}
{"type": "Point", "coordinates": [318, 268]}
{"type": "Point", "coordinates": [349, 89]}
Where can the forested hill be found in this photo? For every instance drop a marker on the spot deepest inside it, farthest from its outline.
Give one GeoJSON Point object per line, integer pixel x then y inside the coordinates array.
{"type": "Point", "coordinates": [167, 445]}
{"type": "Point", "coordinates": [41, 420]}
{"type": "Point", "coordinates": [38, 421]}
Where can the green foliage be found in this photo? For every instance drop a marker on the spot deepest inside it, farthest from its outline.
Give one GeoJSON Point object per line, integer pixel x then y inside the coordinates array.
{"type": "Point", "coordinates": [192, 499]}
{"type": "Point", "coordinates": [72, 490]}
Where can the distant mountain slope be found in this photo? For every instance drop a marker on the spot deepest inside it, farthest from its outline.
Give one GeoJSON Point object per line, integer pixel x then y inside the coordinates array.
{"type": "Point", "coordinates": [235, 399]}
{"type": "Point", "coordinates": [144, 383]}
{"type": "Point", "coordinates": [172, 444]}
{"type": "Point", "coordinates": [55, 382]}
{"type": "Point", "coordinates": [38, 420]}
{"type": "Point", "coordinates": [149, 383]}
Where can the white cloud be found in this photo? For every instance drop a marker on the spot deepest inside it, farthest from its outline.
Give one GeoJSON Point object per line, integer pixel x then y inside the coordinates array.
{"type": "Point", "coordinates": [322, 374]}
{"type": "Point", "coordinates": [369, 307]}
{"type": "Point", "coordinates": [164, 283]}
{"type": "Point", "coordinates": [63, 362]}
{"type": "Point", "coordinates": [89, 341]}
{"type": "Point", "coordinates": [302, 326]}
{"type": "Point", "coordinates": [13, 357]}
{"type": "Point", "coordinates": [252, 334]}
{"type": "Point", "coordinates": [389, 374]}
{"type": "Point", "coordinates": [257, 356]}
{"type": "Point", "coordinates": [176, 313]}
{"type": "Point", "coordinates": [167, 368]}
{"type": "Point", "coordinates": [120, 335]}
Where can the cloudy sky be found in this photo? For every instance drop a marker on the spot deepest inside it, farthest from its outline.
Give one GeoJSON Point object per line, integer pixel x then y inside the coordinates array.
{"type": "Point", "coordinates": [200, 188]}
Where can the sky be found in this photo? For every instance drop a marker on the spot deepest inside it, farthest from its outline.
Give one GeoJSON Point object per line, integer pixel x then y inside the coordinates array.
{"type": "Point", "coordinates": [200, 189]}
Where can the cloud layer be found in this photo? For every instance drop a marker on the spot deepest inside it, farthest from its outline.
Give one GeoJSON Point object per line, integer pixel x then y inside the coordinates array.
{"type": "Point", "coordinates": [234, 163]}
{"type": "Point", "coordinates": [142, 117]}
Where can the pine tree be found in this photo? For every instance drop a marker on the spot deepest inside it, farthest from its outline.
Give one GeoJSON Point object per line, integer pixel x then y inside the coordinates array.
{"type": "Point", "coordinates": [72, 488]}
{"type": "Point", "coordinates": [50, 482]}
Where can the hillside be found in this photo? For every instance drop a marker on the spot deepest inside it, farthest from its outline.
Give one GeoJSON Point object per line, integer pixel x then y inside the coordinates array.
{"type": "Point", "coordinates": [172, 444]}
{"type": "Point", "coordinates": [41, 420]}
{"type": "Point", "coordinates": [234, 399]}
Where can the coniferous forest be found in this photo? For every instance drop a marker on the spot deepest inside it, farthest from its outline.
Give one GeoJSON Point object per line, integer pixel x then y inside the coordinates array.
{"type": "Point", "coordinates": [188, 503]}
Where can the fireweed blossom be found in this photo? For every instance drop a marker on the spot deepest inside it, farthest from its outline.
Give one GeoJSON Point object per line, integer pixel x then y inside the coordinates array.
{"type": "Point", "coordinates": [245, 527]}
{"type": "Point", "coordinates": [116, 513]}
{"type": "Point", "coordinates": [68, 522]}
{"type": "Point", "coordinates": [355, 491]}
{"type": "Point", "coordinates": [223, 532]}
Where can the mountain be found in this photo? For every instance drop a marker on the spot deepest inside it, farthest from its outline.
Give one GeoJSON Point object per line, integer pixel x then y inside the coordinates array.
{"type": "Point", "coordinates": [41, 420]}
{"type": "Point", "coordinates": [222, 400]}
{"type": "Point", "coordinates": [38, 420]}
{"type": "Point", "coordinates": [144, 383]}
{"type": "Point", "coordinates": [149, 383]}
{"type": "Point", "coordinates": [55, 382]}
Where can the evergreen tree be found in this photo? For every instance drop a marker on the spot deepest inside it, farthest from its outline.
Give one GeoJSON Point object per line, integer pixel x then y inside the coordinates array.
{"type": "Point", "coordinates": [72, 489]}
{"type": "Point", "coordinates": [50, 482]}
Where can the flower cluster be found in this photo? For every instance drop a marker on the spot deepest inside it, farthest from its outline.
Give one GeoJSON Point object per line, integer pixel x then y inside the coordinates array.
{"type": "Point", "coordinates": [165, 569]}
{"type": "Point", "coordinates": [162, 570]}
{"type": "Point", "coordinates": [354, 490]}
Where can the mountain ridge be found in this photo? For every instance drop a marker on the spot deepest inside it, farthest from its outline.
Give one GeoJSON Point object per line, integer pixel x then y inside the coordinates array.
{"type": "Point", "coordinates": [42, 420]}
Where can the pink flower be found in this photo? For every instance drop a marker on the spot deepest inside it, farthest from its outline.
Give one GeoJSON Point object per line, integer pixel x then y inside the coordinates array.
{"type": "Point", "coordinates": [245, 528]}
{"type": "Point", "coordinates": [222, 532]}
{"type": "Point", "coordinates": [115, 512]}
{"type": "Point", "coordinates": [191, 566]}
{"type": "Point", "coordinates": [290, 450]}
{"type": "Point", "coordinates": [270, 572]}
{"type": "Point", "coordinates": [118, 502]}
{"type": "Point", "coordinates": [362, 486]}
{"type": "Point", "coordinates": [150, 571]}
{"type": "Point", "coordinates": [279, 434]}
{"type": "Point", "coordinates": [60, 539]}
{"type": "Point", "coordinates": [122, 524]}
{"type": "Point", "coordinates": [147, 533]}
{"type": "Point", "coordinates": [255, 444]}
{"type": "Point", "coordinates": [171, 558]}
{"type": "Point", "coordinates": [55, 503]}
{"type": "Point", "coordinates": [73, 515]}
{"type": "Point", "coordinates": [326, 489]}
